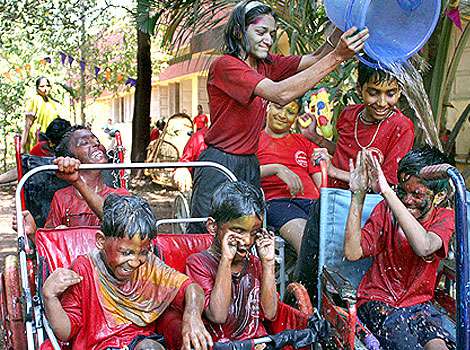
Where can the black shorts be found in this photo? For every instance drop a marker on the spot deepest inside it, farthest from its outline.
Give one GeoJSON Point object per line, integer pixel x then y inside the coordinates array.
{"type": "Point", "coordinates": [206, 180]}
{"type": "Point", "coordinates": [404, 328]}
{"type": "Point", "coordinates": [281, 211]}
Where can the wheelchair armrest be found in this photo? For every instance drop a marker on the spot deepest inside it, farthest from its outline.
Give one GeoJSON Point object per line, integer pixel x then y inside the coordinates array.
{"type": "Point", "coordinates": [341, 285]}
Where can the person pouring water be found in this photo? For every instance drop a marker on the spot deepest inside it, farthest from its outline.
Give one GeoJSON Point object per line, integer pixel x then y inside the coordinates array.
{"type": "Point", "coordinates": [243, 80]}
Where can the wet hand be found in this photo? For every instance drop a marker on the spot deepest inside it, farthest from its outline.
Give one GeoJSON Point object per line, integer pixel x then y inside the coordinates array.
{"type": "Point", "coordinates": [358, 176]}
{"type": "Point", "coordinates": [182, 179]}
{"type": "Point", "coordinates": [59, 281]}
{"type": "Point", "coordinates": [265, 245]}
{"type": "Point", "coordinates": [68, 169]}
{"type": "Point", "coordinates": [28, 223]}
{"type": "Point", "coordinates": [195, 336]}
{"type": "Point", "coordinates": [291, 179]}
{"type": "Point", "coordinates": [351, 42]}
{"type": "Point", "coordinates": [378, 181]}
{"type": "Point", "coordinates": [230, 244]}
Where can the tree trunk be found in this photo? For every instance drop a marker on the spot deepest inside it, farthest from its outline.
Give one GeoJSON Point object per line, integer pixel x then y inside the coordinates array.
{"type": "Point", "coordinates": [143, 93]}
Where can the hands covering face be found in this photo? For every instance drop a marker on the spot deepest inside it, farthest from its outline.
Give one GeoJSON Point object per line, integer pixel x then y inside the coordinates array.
{"type": "Point", "coordinates": [234, 243]}
{"type": "Point", "coordinates": [367, 173]}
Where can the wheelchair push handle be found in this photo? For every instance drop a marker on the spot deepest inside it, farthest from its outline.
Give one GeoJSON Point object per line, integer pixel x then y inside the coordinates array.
{"type": "Point", "coordinates": [435, 172]}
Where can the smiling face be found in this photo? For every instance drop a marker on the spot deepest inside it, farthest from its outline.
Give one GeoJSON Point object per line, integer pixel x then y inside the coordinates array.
{"type": "Point", "coordinates": [416, 197]}
{"type": "Point", "coordinates": [44, 87]}
{"type": "Point", "coordinates": [123, 256]}
{"type": "Point", "coordinates": [280, 119]}
{"type": "Point", "coordinates": [260, 35]}
{"type": "Point", "coordinates": [87, 148]}
{"type": "Point", "coordinates": [380, 98]}
{"type": "Point", "coordinates": [246, 226]}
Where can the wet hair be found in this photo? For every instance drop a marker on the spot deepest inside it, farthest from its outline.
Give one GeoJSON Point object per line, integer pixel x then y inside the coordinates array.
{"type": "Point", "coordinates": [233, 200]}
{"type": "Point", "coordinates": [38, 81]}
{"type": "Point", "coordinates": [235, 39]}
{"type": "Point", "coordinates": [374, 75]}
{"type": "Point", "coordinates": [127, 216]}
{"type": "Point", "coordinates": [416, 159]}
{"type": "Point", "coordinates": [63, 148]}
{"type": "Point", "coordinates": [56, 130]}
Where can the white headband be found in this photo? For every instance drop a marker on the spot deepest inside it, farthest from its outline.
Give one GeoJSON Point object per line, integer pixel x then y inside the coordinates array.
{"type": "Point", "coordinates": [251, 5]}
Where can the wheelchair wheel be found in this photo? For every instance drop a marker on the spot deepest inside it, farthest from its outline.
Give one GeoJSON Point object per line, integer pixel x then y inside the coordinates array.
{"type": "Point", "coordinates": [181, 210]}
{"type": "Point", "coordinates": [15, 328]}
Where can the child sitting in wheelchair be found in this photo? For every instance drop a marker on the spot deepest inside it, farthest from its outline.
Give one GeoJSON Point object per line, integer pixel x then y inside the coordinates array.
{"type": "Point", "coordinates": [407, 235]}
{"type": "Point", "coordinates": [241, 302]}
{"type": "Point", "coordinates": [111, 298]}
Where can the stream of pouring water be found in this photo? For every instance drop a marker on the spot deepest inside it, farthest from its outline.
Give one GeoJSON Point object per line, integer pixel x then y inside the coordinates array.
{"type": "Point", "coordinates": [413, 89]}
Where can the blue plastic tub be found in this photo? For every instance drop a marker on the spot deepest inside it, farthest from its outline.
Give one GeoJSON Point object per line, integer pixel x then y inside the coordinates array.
{"type": "Point", "coordinates": [398, 28]}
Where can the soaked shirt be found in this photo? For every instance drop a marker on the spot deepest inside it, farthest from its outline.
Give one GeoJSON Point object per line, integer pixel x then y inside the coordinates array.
{"type": "Point", "coordinates": [244, 320]}
{"type": "Point", "coordinates": [399, 277]}
{"type": "Point", "coordinates": [68, 208]}
{"type": "Point", "coordinates": [393, 140]}
{"type": "Point", "coordinates": [89, 326]}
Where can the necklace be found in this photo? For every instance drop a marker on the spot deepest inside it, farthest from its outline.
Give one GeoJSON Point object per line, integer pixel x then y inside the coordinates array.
{"type": "Point", "coordinates": [361, 116]}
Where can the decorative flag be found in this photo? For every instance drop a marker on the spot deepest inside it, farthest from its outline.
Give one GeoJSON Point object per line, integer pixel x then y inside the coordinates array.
{"type": "Point", "coordinates": [454, 16]}
{"type": "Point", "coordinates": [42, 61]}
{"type": "Point", "coordinates": [119, 77]}
{"type": "Point", "coordinates": [27, 68]}
{"type": "Point", "coordinates": [131, 82]}
{"type": "Point", "coordinates": [82, 65]}
{"type": "Point", "coordinates": [63, 56]}
{"type": "Point", "coordinates": [19, 72]}
{"type": "Point", "coordinates": [97, 71]}
{"type": "Point", "coordinates": [70, 58]}
{"type": "Point", "coordinates": [48, 59]}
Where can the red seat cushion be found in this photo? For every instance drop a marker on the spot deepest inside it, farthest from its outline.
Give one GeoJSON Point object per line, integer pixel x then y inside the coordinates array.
{"type": "Point", "coordinates": [174, 249]}
{"type": "Point", "coordinates": [60, 247]}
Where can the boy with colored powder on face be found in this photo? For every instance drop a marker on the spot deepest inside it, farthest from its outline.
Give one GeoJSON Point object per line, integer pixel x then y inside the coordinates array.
{"type": "Point", "coordinates": [289, 178]}
{"type": "Point", "coordinates": [407, 235]}
{"type": "Point", "coordinates": [239, 288]}
{"type": "Point", "coordinates": [111, 298]}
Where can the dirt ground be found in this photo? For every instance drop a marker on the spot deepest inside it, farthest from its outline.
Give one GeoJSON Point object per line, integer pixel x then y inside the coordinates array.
{"type": "Point", "coordinates": [160, 199]}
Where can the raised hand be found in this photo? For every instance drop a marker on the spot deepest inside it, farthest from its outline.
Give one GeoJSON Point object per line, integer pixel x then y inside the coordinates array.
{"type": "Point", "coordinates": [59, 281]}
{"type": "Point", "coordinates": [359, 179]}
{"type": "Point", "coordinates": [377, 179]}
{"type": "Point", "coordinates": [351, 42]}
{"type": "Point", "coordinates": [68, 169]}
{"type": "Point", "coordinates": [291, 179]}
{"type": "Point", "coordinates": [265, 245]}
{"type": "Point", "coordinates": [230, 244]}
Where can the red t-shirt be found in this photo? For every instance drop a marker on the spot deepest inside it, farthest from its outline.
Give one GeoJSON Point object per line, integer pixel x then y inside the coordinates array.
{"type": "Point", "coordinates": [89, 329]}
{"type": "Point", "coordinates": [398, 277]}
{"type": "Point", "coordinates": [244, 320]}
{"type": "Point", "coordinates": [200, 121]}
{"type": "Point", "coordinates": [154, 134]}
{"type": "Point", "coordinates": [194, 147]}
{"type": "Point", "coordinates": [238, 115]}
{"type": "Point", "coordinates": [70, 209]}
{"type": "Point", "coordinates": [393, 140]}
{"type": "Point", "coordinates": [41, 149]}
{"type": "Point", "coordinates": [295, 152]}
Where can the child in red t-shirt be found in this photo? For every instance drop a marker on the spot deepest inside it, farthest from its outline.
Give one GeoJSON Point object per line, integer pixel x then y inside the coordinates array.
{"type": "Point", "coordinates": [376, 125]}
{"type": "Point", "coordinates": [407, 235]}
{"type": "Point", "coordinates": [289, 178]}
{"type": "Point", "coordinates": [111, 297]}
{"type": "Point", "coordinates": [239, 288]}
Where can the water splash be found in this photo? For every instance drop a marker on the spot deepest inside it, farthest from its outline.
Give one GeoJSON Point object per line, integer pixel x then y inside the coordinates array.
{"type": "Point", "coordinates": [412, 85]}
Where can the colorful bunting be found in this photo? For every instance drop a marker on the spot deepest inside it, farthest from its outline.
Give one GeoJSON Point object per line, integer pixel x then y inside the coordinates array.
{"type": "Point", "coordinates": [97, 71]}
{"type": "Point", "coordinates": [63, 56]}
{"type": "Point", "coordinates": [107, 74]}
{"type": "Point", "coordinates": [48, 59]}
{"type": "Point", "coordinates": [82, 65]}
{"type": "Point", "coordinates": [454, 16]}
{"type": "Point", "coordinates": [131, 82]}
{"type": "Point", "coordinates": [119, 77]}
{"type": "Point", "coordinates": [70, 59]}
